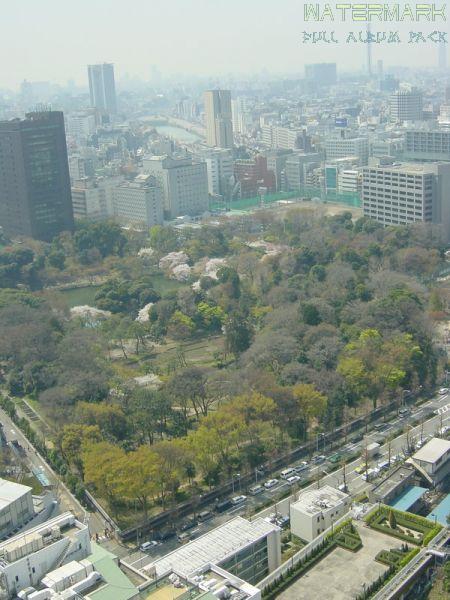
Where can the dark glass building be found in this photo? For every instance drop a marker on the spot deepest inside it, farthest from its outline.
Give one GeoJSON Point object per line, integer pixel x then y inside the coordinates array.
{"type": "Point", "coordinates": [35, 197]}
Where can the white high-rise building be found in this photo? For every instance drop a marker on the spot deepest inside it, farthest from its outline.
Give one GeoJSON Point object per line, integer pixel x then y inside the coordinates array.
{"type": "Point", "coordinates": [102, 88]}
{"type": "Point", "coordinates": [80, 126]}
{"type": "Point", "coordinates": [139, 201]}
{"type": "Point", "coordinates": [406, 105]}
{"type": "Point", "coordinates": [343, 145]}
{"type": "Point", "coordinates": [92, 199]}
{"type": "Point", "coordinates": [184, 184]}
{"type": "Point", "coordinates": [407, 193]}
{"type": "Point", "coordinates": [242, 116]}
{"type": "Point", "coordinates": [218, 116]}
{"type": "Point", "coordinates": [220, 168]}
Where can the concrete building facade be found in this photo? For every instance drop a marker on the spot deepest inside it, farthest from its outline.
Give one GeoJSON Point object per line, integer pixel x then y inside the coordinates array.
{"type": "Point", "coordinates": [184, 184]}
{"type": "Point", "coordinates": [139, 201]}
{"type": "Point", "coordinates": [316, 510]}
{"type": "Point", "coordinates": [219, 119]}
{"type": "Point", "coordinates": [16, 506]}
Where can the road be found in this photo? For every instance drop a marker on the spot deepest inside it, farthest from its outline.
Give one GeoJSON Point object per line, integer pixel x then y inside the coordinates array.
{"type": "Point", "coordinates": [34, 460]}
{"type": "Point", "coordinates": [355, 482]}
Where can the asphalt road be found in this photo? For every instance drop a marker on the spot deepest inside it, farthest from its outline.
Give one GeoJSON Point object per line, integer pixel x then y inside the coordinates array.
{"type": "Point", "coordinates": [354, 481]}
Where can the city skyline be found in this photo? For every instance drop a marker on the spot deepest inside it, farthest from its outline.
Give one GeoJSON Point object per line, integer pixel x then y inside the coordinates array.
{"type": "Point", "coordinates": [266, 36]}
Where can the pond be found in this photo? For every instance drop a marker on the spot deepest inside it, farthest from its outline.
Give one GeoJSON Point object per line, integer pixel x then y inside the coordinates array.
{"type": "Point", "coordinates": [85, 295]}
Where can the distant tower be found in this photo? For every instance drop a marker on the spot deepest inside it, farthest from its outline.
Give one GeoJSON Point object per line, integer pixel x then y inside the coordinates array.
{"type": "Point", "coordinates": [442, 56]}
{"type": "Point", "coordinates": [219, 119]}
{"type": "Point", "coordinates": [380, 69]}
{"type": "Point", "coordinates": [369, 50]}
{"type": "Point", "coordinates": [102, 88]}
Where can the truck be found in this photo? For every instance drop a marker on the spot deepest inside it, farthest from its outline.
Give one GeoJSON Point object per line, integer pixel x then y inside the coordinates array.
{"type": "Point", "coordinates": [372, 450]}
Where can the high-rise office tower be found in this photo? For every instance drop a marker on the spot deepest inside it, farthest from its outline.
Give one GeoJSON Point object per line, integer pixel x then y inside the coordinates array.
{"type": "Point", "coordinates": [219, 124]}
{"type": "Point", "coordinates": [406, 106]}
{"type": "Point", "coordinates": [35, 199]}
{"type": "Point", "coordinates": [102, 88]}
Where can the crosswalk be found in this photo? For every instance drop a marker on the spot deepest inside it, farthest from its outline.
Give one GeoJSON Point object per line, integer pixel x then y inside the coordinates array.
{"type": "Point", "coordinates": [443, 409]}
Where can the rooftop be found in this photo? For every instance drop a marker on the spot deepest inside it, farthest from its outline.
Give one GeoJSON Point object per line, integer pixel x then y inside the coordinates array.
{"type": "Point", "coordinates": [116, 585]}
{"type": "Point", "coordinates": [387, 485]}
{"type": "Point", "coordinates": [315, 501]}
{"type": "Point", "coordinates": [11, 491]}
{"type": "Point", "coordinates": [433, 451]}
{"type": "Point", "coordinates": [408, 497]}
{"type": "Point", "coordinates": [213, 547]}
{"type": "Point", "coordinates": [441, 511]}
{"type": "Point", "coordinates": [408, 168]}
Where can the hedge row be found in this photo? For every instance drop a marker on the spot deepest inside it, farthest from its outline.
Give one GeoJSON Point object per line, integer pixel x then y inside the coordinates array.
{"type": "Point", "coordinates": [407, 520]}
{"type": "Point", "coordinates": [272, 590]}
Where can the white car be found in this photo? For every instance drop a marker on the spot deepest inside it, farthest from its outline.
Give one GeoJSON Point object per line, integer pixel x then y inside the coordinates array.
{"type": "Point", "coordinates": [443, 391]}
{"type": "Point", "coordinates": [293, 479]}
{"type": "Point", "coordinates": [148, 545]}
{"type": "Point", "coordinates": [238, 500]}
{"type": "Point", "coordinates": [270, 484]}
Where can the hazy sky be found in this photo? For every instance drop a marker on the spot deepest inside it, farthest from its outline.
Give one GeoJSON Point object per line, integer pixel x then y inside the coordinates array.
{"type": "Point", "coordinates": [55, 39]}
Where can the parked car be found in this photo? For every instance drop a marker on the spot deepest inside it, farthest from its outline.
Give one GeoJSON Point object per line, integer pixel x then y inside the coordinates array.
{"type": "Point", "coordinates": [270, 484]}
{"type": "Point", "coordinates": [165, 534]}
{"type": "Point", "coordinates": [146, 546]}
{"type": "Point", "coordinates": [183, 537]}
{"type": "Point", "coordinates": [255, 490]}
{"type": "Point", "coordinates": [319, 459]}
{"type": "Point", "coordinates": [282, 521]}
{"type": "Point", "coordinates": [237, 500]}
{"type": "Point", "coordinates": [223, 506]}
{"type": "Point", "coordinates": [188, 524]}
{"type": "Point", "coordinates": [301, 467]}
{"type": "Point", "coordinates": [443, 391]}
{"type": "Point", "coordinates": [293, 479]}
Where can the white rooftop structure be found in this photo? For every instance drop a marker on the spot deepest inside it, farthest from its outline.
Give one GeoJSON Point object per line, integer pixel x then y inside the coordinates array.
{"type": "Point", "coordinates": [315, 501]}
{"type": "Point", "coordinates": [435, 449]}
{"type": "Point", "coordinates": [214, 547]}
{"type": "Point", "coordinates": [11, 491]}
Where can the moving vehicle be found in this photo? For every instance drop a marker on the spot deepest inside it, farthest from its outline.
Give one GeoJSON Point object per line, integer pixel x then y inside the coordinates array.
{"type": "Point", "coordinates": [205, 515]}
{"type": "Point", "coordinates": [223, 506]}
{"type": "Point", "coordinates": [293, 479]}
{"type": "Point", "coordinates": [237, 500]}
{"type": "Point", "coordinates": [319, 459]}
{"type": "Point", "coordinates": [270, 484]}
{"type": "Point", "coordinates": [188, 524]}
{"type": "Point", "coordinates": [255, 490]}
{"type": "Point", "coordinates": [443, 391]}
{"type": "Point", "coordinates": [146, 546]}
{"type": "Point", "coordinates": [301, 467]}
{"type": "Point", "coordinates": [335, 458]}
{"type": "Point", "coordinates": [287, 473]}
